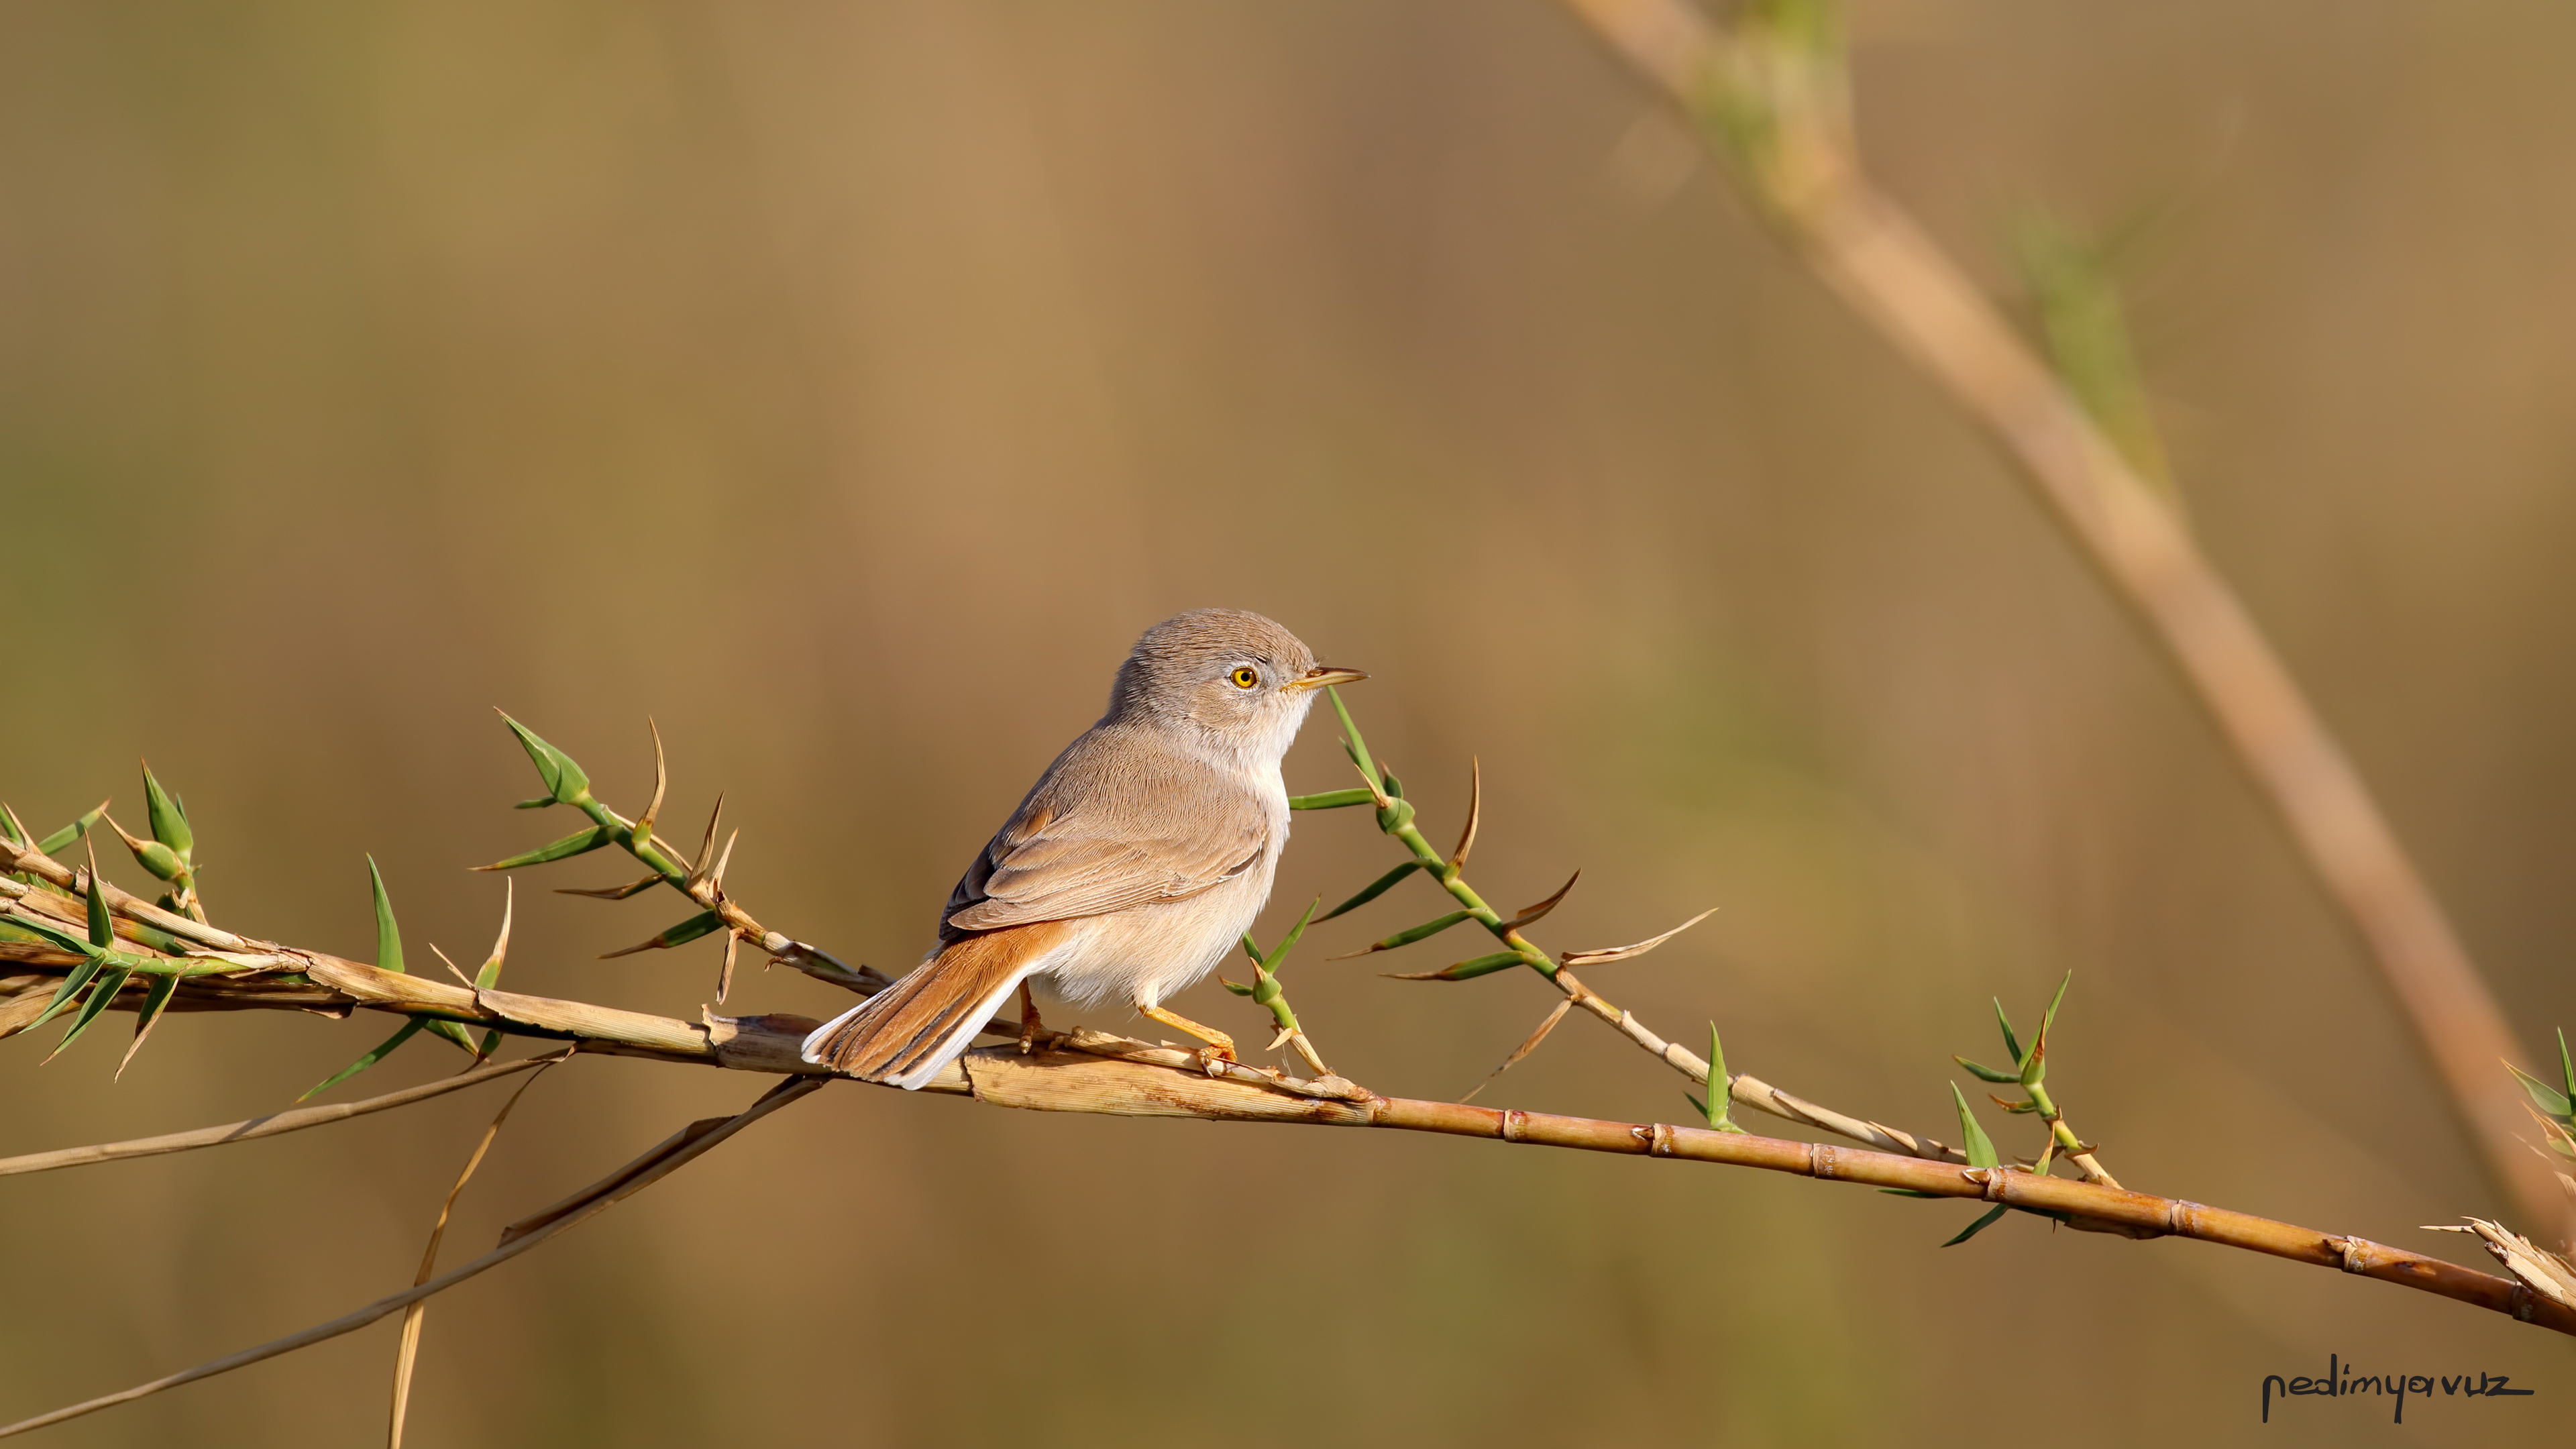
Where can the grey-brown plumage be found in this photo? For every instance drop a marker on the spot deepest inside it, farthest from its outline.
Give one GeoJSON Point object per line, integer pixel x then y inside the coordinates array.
{"type": "Point", "coordinates": [1132, 865]}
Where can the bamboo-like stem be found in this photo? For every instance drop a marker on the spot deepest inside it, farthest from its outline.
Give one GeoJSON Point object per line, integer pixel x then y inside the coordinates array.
{"type": "Point", "coordinates": [2062, 1138]}
{"type": "Point", "coordinates": [1071, 1083]}
{"type": "Point", "coordinates": [777, 1097]}
{"type": "Point", "coordinates": [1079, 1083]}
{"type": "Point", "coordinates": [1771, 93]}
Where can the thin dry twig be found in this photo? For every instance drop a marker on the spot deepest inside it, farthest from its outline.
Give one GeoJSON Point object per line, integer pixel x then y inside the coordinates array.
{"type": "Point", "coordinates": [1528, 1044]}
{"type": "Point", "coordinates": [1776, 98]}
{"type": "Point", "coordinates": [275, 1124]}
{"type": "Point", "coordinates": [775, 1098]}
{"type": "Point", "coordinates": [409, 1350]}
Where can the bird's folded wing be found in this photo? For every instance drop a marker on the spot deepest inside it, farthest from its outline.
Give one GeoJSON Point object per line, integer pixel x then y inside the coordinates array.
{"type": "Point", "coordinates": [1110, 850]}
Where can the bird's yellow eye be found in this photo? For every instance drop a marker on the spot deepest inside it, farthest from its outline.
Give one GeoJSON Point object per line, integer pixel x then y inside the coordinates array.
{"type": "Point", "coordinates": [1245, 678]}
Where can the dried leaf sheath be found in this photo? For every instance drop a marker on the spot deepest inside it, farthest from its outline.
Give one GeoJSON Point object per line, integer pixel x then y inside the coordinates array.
{"type": "Point", "coordinates": [409, 1348]}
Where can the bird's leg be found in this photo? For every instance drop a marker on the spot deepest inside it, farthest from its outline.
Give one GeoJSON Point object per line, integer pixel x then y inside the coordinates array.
{"type": "Point", "coordinates": [1219, 1048]}
{"type": "Point", "coordinates": [1030, 1026]}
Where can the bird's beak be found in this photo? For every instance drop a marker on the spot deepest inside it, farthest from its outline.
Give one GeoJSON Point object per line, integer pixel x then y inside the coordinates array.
{"type": "Point", "coordinates": [1323, 674]}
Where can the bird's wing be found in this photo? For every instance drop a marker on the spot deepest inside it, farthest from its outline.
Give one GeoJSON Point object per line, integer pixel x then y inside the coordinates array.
{"type": "Point", "coordinates": [1116, 823]}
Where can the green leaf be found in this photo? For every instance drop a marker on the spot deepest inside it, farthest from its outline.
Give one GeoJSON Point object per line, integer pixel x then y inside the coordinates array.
{"type": "Point", "coordinates": [703, 923]}
{"type": "Point", "coordinates": [2544, 1096]}
{"type": "Point", "coordinates": [2035, 1067]}
{"type": "Point", "coordinates": [538, 802]}
{"type": "Point", "coordinates": [454, 1034]}
{"type": "Point", "coordinates": [56, 934]}
{"type": "Point", "coordinates": [580, 842]}
{"type": "Point", "coordinates": [169, 822]}
{"type": "Point", "coordinates": [53, 844]}
{"type": "Point", "coordinates": [1330, 800]}
{"type": "Point", "coordinates": [1720, 1109]}
{"type": "Point", "coordinates": [565, 781]}
{"type": "Point", "coordinates": [80, 976]}
{"type": "Point", "coordinates": [1470, 970]}
{"type": "Point", "coordinates": [102, 927]}
{"type": "Point", "coordinates": [103, 991]}
{"type": "Point", "coordinates": [1423, 932]}
{"type": "Point", "coordinates": [2566, 1064]}
{"type": "Point", "coordinates": [1352, 744]}
{"type": "Point", "coordinates": [16, 833]}
{"type": "Point", "coordinates": [1979, 1226]}
{"type": "Point", "coordinates": [388, 937]}
{"type": "Point", "coordinates": [1972, 1138]}
{"type": "Point", "coordinates": [1289, 942]}
{"type": "Point", "coordinates": [156, 998]}
{"type": "Point", "coordinates": [1987, 1074]}
{"type": "Point", "coordinates": [1394, 786]}
{"type": "Point", "coordinates": [1696, 1104]}
{"type": "Point", "coordinates": [2012, 1045]}
{"type": "Point", "coordinates": [409, 1030]}
{"type": "Point", "coordinates": [1374, 889]}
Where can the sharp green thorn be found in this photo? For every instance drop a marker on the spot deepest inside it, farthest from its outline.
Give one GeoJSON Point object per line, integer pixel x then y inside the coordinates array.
{"type": "Point", "coordinates": [102, 927]}
{"type": "Point", "coordinates": [578, 843]}
{"type": "Point", "coordinates": [1979, 1148]}
{"type": "Point", "coordinates": [101, 993]}
{"type": "Point", "coordinates": [1288, 942]}
{"type": "Point", "coordinates": [385, 1049]}
{"type": "Point", "coordinates": [389, 953]}
{"type": "Point", "coordinates": [78, 977]}
{"type": "Point", "coordinates": [1373, 889]}
{"type": "Point", "coordinates": [1979, 1226]}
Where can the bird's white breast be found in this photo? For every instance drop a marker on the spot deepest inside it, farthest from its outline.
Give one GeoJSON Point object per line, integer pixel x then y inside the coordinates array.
{"type": "Point", "coordinates": [1152, 952]}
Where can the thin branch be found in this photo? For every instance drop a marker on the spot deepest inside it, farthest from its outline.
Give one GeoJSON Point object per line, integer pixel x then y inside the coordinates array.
{"type": "Point", "coordinates": [273, 1125]}
{"type": "Point", "coordinates": [1771, 92]}
{"type": "Point", "coordinates": [777, 1097]}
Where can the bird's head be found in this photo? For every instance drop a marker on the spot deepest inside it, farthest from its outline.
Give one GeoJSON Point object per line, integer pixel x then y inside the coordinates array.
{"type": "Point", "coordinates": [1236, 676]}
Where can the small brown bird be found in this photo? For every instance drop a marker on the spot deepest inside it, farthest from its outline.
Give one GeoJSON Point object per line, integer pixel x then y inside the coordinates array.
{"type": "Point", "coordinates": [1132, 867]}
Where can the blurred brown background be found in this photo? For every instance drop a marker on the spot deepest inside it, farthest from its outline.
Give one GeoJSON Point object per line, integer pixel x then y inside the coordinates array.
{"type": "Point", "coordinates": [846, 385]}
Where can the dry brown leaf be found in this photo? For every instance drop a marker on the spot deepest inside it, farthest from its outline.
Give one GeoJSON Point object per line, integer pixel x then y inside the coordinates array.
{"type": "Point", "coordinates": [1524, 1049]}
{"type": "Point", "coordinates": [1638, 948]}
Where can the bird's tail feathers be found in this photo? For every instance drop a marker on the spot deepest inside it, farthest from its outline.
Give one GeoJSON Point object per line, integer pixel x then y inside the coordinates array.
{"type": "Point", "coordinates": [906, 1033]}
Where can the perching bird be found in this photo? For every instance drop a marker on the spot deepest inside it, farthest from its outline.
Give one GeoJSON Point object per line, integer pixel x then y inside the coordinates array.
{"type": "Point", "coordinates": [1138, 859]}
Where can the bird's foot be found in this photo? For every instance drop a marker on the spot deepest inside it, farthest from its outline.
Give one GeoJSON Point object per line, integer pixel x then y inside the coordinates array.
{"type": "Point", "coordinates": [1030, 1026]}
{"type": "Point", "coordinates": [1219, 1048]}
